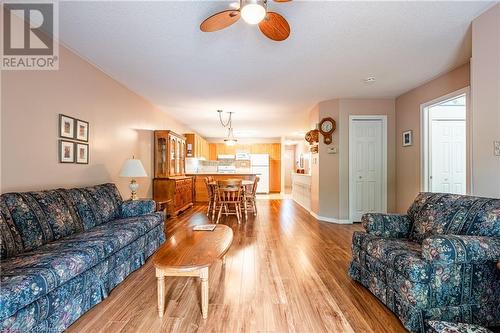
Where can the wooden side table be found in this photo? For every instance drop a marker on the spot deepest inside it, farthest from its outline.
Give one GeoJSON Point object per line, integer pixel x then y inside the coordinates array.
{"type": "Point", "coordinates": [164, 206]}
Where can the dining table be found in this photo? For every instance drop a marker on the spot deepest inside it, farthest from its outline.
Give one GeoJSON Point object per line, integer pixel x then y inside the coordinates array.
{"type": "Point", "coordinates": [244, 182]}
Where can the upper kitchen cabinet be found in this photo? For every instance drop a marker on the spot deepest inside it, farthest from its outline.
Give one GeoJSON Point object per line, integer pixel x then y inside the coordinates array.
{"type": "Point", "coordinates": [196, 146]}
{"type": "Point", "coordinates": [169, 154]}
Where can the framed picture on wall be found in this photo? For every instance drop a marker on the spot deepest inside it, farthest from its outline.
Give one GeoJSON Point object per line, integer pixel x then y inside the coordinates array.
{"type": "Point", "coordinates": [66, 127]}
{"type": "Point", "coordinates": [82, 130]}
{"type": "Point", "coordinates": [66, 151]}
{"type": "Point", "coordinates": [407, 138]}
{"type": "Point", "coordinates": [82, 153]}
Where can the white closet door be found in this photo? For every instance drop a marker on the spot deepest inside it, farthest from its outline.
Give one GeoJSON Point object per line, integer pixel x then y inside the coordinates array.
{"type": "Point", "coordinates": [367, 167]}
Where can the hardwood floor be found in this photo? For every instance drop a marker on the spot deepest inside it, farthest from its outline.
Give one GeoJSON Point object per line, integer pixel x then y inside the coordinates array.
{"type": "Point", "coordinates": [285, 272]}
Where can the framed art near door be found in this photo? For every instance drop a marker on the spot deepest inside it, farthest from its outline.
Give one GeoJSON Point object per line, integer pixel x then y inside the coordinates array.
{"type": "Point", "coordinates": [407, 138]}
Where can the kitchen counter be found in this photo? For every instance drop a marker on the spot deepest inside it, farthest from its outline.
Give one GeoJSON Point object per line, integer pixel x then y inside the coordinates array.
{"type": "Point", "coordinates": [301, 189]}
{"type": "Point", "coordinates": [200, 189]}
{"type": "Point", "coordinates": [221, 174]}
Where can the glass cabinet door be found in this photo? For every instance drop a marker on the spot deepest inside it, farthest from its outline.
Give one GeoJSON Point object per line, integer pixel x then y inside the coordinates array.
{"type": "Point", "coordinates": [177, 157]}
{"type": "Point", "coordinates": [183, 157]}
{"type": "Point", "coordinates": [163, 157]}
{"type": "Point", "coordinates": [172, 156]}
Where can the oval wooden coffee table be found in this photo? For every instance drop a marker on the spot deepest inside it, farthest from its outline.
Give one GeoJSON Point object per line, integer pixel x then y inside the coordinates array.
{"type": "Point", "coordinates": [190, 253]}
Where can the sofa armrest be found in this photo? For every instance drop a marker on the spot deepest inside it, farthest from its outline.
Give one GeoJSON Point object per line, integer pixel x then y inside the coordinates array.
{"type": "Point", "coordinates": [132, 208]}
{"type": "Point", "coordinates": [460, 249]}
{"type": "Point", "coordinates": [387, 225]}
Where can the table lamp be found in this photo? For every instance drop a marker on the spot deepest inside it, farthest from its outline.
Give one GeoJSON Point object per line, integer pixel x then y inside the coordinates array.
{"type": "Point", "coordinates": [133, 168]}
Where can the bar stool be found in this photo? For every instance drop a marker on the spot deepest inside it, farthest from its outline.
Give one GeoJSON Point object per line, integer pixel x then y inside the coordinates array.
{"type": "Point", "coordinates": [229, 193]}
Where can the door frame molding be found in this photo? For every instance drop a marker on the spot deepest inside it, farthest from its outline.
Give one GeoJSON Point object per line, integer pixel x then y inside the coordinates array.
{"type": "Point", "coordinates": [353, 118]}
{"type": "Point", "coordinates": [424, 138]}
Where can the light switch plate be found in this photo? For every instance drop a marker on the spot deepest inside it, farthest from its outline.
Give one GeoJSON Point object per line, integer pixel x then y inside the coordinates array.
{"type": "Point", "coordinates": [497, 147]}
{"type": "Point", "coordinates": [332, 150]}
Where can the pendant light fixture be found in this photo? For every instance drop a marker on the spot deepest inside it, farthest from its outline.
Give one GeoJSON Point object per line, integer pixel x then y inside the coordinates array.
{"type": "Point", "coordinates": [230, 139]}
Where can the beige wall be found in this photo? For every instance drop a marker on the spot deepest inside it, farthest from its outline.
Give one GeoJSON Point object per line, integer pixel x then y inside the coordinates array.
{"type": "Point", "coordinates": [485, 79]}
{"type": "Point", "coordinates": [315, 195]}
{"type": "Point", "coordinates": [329, 183]}
{"type": "Point", "coordinates": [408, 118]}
{"type": "Point", "coordinates": [330, 179]}
{"type": "Point", "coordinates": [121, 124]}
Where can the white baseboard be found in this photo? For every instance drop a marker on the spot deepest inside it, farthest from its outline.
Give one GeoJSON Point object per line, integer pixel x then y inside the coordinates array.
{"type": "Point", "coordinates": [323, 218]}
{"type": "Point", "coordinates": [329, 219]}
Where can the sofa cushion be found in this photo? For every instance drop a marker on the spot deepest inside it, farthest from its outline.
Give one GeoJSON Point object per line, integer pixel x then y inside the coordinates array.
{"type": "Point", "coordinates": [106, 201]}
{"type": "Point", "coordinates": [400, 255]}
{"type": "Point", "coordinates": [439, 213]}
{"type": "Point", "coordinates": [448, 327]}
{"type": "Point", "coordinates": [31, 275]}
{"type": "Point", "coordinates": [84, 206]}
{"type": "Point", "coordinates": [38, 218]}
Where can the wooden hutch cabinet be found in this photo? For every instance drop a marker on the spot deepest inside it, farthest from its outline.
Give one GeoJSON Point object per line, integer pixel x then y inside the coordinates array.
{"type": "Point", "coordinates": [170, 182]}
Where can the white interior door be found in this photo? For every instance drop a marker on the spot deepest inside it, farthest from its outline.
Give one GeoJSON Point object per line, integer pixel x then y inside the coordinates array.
{"type": "Point", "coordinates": [367, 167]}
{"type": "Point", "coordinates": [289, 165]}
{"type": "Point", "coordinates": [448, 161]}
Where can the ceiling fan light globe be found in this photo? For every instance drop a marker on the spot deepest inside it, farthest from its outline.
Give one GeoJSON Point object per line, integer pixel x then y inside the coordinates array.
{"type": "Point", "coordinates": [253, 13]}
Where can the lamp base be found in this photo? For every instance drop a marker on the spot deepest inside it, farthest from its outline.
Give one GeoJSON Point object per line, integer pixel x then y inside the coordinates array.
{"type": "Point", "coordinates": [133, 189]}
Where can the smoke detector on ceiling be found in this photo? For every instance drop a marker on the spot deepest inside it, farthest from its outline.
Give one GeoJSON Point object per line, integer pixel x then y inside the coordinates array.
{"type": "Point", "coordinates": [370, 79]}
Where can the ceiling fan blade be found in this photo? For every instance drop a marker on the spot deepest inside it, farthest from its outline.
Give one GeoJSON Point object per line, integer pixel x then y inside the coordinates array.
{"type": "Point", "coordinates": [275, 27]}
{"type": "Point", "coordinates": [282, 0]}
{"type": "Point", "coordinates": [220, 20]}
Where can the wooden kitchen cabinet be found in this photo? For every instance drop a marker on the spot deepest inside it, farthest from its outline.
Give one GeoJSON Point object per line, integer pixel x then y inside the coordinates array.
{"type": "Point", "coordinates": [196, 146]}
{"type": "Point", "coordinates": [170, 182]}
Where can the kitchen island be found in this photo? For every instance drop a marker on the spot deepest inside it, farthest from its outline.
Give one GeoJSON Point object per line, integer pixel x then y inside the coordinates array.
{"type": "Point", "coordinates": [200, 190]}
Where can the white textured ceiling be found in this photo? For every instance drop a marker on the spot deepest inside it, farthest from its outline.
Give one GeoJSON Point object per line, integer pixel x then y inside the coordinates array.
{"type": "Point", "coordinates": [157, 50]}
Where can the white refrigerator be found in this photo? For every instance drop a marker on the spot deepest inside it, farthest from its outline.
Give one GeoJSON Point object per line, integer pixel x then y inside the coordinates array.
{"type": "Point", "coordinates": [260, 166]}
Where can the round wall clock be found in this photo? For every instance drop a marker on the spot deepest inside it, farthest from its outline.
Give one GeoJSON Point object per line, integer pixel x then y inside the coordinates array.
{"type": "Point", "coordinates": [327, 126]}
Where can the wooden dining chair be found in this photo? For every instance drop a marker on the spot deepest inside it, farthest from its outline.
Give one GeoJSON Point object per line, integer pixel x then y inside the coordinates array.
{"type": "Point", "coordinates": [229, 194]}
{"type": "Point", "coordinates": [212, 197]}
{"type": "Point", "coordinates": [249, 196]}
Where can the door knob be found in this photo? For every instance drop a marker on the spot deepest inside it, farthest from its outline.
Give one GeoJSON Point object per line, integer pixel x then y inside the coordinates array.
{"type": "Point", "coordinates": [360, 177]}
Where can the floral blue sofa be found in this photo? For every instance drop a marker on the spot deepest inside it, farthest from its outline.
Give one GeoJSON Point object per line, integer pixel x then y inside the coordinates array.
{"type": "Point", "coordinates": [63, 250]}
{"type": "Point", "coordinates": [438, 262]}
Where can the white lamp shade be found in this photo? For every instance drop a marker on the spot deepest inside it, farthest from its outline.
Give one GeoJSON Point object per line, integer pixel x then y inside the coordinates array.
{"type": "Point", "coordinates": [133, 168]}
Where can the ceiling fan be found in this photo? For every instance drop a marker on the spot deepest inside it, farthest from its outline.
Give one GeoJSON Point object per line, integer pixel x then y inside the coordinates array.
{"type": "Point", "coordinates": [272, 24]}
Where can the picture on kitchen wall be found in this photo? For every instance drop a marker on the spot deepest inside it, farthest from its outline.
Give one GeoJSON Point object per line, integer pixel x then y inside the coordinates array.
{"type": "Point", "coordinates": [82, 153]}
{"type": "Point", "coordinates": [66, 151]}
{"type": "Point", "coordinates": [66, 127]}
{"type": "Point", "coordinates": [82, 130]}
{"type": "Point", "coordinates": [407, 138]}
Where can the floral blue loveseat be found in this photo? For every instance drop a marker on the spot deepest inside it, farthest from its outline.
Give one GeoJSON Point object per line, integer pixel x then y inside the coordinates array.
{"type": "Point", "coordinates": [63, 250]}
{"type": "Point", "coordinates": [438, 262]}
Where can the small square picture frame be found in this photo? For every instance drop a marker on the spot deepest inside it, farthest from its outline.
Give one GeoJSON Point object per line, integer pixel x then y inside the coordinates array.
{"type": "Point", "coordinates": [407, 138]}
{"type": "Point", "coordinates": [66, 127]}
{"type": "Point", "coordinates": [82, 130]}
{"type": "Point", "coordinates": [82, 153]}
{"type": "Point", "coordinates": [66, 151]}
